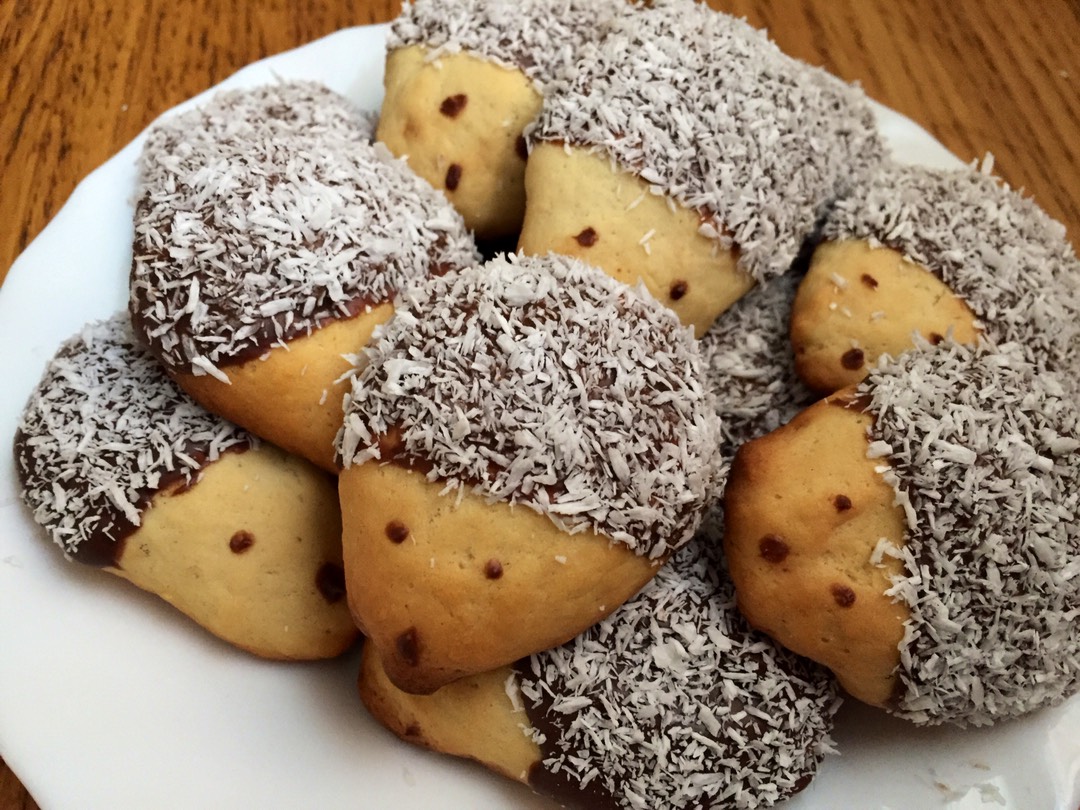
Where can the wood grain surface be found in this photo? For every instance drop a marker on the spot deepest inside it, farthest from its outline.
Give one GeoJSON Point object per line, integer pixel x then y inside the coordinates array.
{"type": "Point", "coordinates": [82, 78]}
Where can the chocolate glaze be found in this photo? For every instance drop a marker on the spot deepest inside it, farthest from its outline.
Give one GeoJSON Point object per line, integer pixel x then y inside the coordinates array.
{"type": "Point", "coordinates": [104, 547]}
{"type": "Point", "coordinates": [659, 604]}
{"type": "Point", "coordinates": [141, 436]}
{"type": "Point", "coordinates": [627, 390]}
{"type": "Point", "coordinates": [279, 273]}
{"type": "Point", "coordinates": [266, 335]}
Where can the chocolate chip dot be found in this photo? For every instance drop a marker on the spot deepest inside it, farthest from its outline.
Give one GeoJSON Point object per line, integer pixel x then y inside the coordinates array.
{"type": "Point", "coordinates": [773, 548]}
{"type": "Point", "coordinates": [869, 281]}
{"type": "Point", "coordinates": [522, 147]}
{"type": "Point", "coordinates": [842, 503]}
{"type": "Point", "coordinates": [844, 596]}
{"type": "Point", "coordinates": [587, 238]}
{"type": "Point", "coordinates": [330, 580]}
{"type": "Point", "coordinates": [412, 730]}
{"type": "Point", "coordinates": [453, 176]}
{"type": "Point", "coordinates": [408, 646]}
{"type": "Point", "coordinates": [397, 531]}
{"type": "Point", "coordinates": [493, 569]}
{"type": "Point", "coordinates": [241, 542]}
{"type": "Point", "coordinates": [935, 338]}
{"type": "Point", "coordinates": [452, 105]}
{"type": "Point", "coordinates": [852, 359]}
{"type": "Point", "coordinates": [678, 290]}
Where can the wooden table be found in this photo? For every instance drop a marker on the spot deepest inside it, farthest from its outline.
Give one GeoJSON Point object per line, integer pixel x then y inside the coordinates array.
{"type": "Point", "coordinates": [84, 77]}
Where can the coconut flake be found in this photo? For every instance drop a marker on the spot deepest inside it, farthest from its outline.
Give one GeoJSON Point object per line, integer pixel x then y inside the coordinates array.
{"type": "Point", "coordinates": [582, 398]}
{"type": "Point", "coordinates": [673, 701]}
{"type": "Point", "coordinates": [712, 115]}
{"type": "Point", "coordinates": [993, 513]}
{"type": "Point", "coordinates": [267, 212]}
{"type": "Point", "coordinates": [102, 429]}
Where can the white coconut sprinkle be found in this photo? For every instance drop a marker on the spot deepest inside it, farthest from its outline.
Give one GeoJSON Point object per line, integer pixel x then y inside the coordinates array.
{"type": "Point", "coordinates": [992, 246]}
{"type": "Point", "coordinates": [268, 212]}
{"type": "Point", "coordinates": [710, 113]}
{"type": "Point", "coordinates": [749, 365]}
{"type": "Point", "coordinates": [540, 38]}
{"type": "Point", "coordinates": [491, 345]}
{"type": "Point", "coordinates": [101, 432]}
{"type": "Point", "coordinates": [673, 702]}
{"type": "Point", "coordinates": [982, 451]}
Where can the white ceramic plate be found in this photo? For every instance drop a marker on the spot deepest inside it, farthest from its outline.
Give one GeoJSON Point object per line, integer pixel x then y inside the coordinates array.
{"type": "Point", "coordinates": [109, 699]}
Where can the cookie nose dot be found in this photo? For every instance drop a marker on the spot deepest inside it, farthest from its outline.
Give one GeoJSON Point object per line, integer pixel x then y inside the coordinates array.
{"type": "Point", "coordinates": [397, 531]}
{"type": "Point", "coordinates": [452, 106]}
{"type": "Point", "coordinates": [241, 542]}
{"type": "Point", "coordinates": [853, 359]}
{"type": "Point", "coordinates": [587, 238]}
{"type": "Point", "coordinates": [843, 595]}
{"type": "Point", "coordinates": [773, 548]}
{"type": "Point", "coordinates": [453, 177]}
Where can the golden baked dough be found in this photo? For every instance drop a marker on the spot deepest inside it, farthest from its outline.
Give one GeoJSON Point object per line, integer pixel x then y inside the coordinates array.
{"type": "Point", "coordinates": [578, 204]}
{"type": "Point", "coordinates": [458, 120]}
{"type": "Point", "coordinates": [859, 302]}
{"type": "Point", "coordinates": [292, 396]}
{"type": "Point", "coordinates": [805, 509]}
{"type": "Point", "coordinates": [251, 552]}
{"type": "Point", "coordinates": [447, 589]}
{"type": "Point", "coordinates": [472, 717]}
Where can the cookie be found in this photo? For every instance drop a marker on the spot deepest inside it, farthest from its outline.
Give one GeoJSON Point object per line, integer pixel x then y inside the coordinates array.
{"type": "Point", "coordinates": [732, 147]}
{"type": "Point", "coordinates": [918, 535]}
{"type": "Point", "coordinates": [270, 238]}
{"type": "Point", "coordinates": [939, 253]}
{"type": "Point", "coordinates": [673, 697]}
{"type": "Point", "coordinates": [525, 433]}
{"type": "Point", "coordinates": [126, 473]}
{"type": "Point", "coordinates": [458, 121]}
{"type": "Point", "coordinates": [464, 79]}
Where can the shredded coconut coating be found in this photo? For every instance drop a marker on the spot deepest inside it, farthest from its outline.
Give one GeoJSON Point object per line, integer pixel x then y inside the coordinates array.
{"type": "Point", "coordinates": [982, 454]}
{"type": "Point", "coordinates": [543, 381]}
{"type": "Point", "coordinates": [267, 212]}
{"type": "Point", "coordinates": [709, 112]}
{"type": "Point", "coordinates": [992, 246]}
{"type": "Point", "coordinates": [541, 38]}
{"type": "Point", "coordinates": [103, 430]}
{"type": "Point", "coordinates": [674, 702]}
{"type": "Point", "coordinates": [749, 365]}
